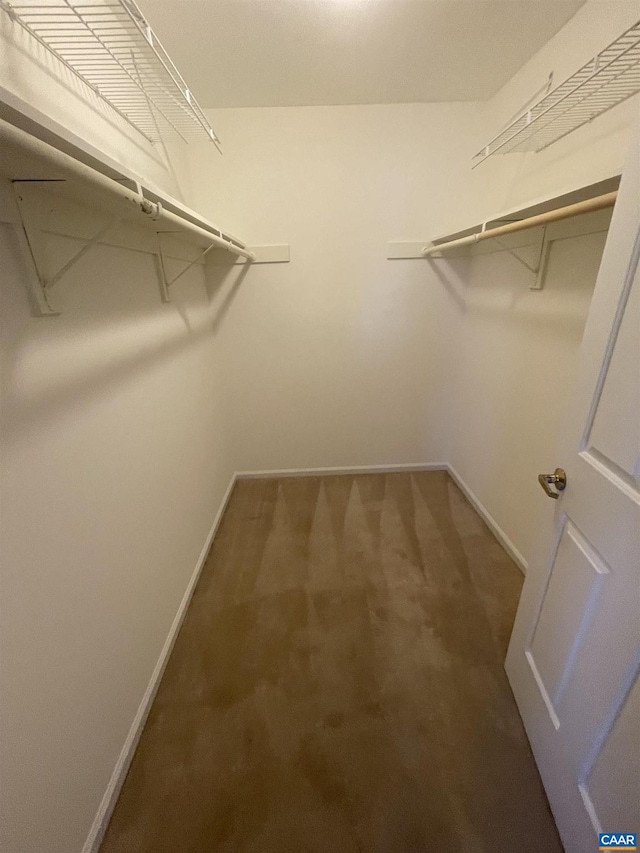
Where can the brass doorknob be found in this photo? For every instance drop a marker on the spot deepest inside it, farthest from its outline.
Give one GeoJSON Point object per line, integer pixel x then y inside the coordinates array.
{"type": "Point", "coordinates": [557, 479]}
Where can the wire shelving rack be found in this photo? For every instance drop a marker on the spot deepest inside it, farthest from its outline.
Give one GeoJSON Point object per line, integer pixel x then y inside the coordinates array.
{"type": "Point", "coordinates": [112, 48]}
{"type": "Point", "coordinates": [612, 76]}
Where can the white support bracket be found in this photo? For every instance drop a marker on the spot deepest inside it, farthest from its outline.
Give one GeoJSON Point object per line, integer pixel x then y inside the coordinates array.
{"type": "Point", "coordinates": [532, 268]}
{"type": "Point", "coordinates": [37, 290]}
{"type": "Point", "coordinates": [396, 251]}
{"type": "Point", "coordinates": [92, 241]}
{"type": "Point", "coordinates": [539, 268]}
{"type": "Point", "coordinates": [275, 254]}
{"type": "Point", "coordinates": [31, 228]}
{"type": "Point", "coordinates": [165, 281]}
{"type": "Point", "coordinates": [543, 262]}
{"type": "Point", "coordinates": [32, 247]}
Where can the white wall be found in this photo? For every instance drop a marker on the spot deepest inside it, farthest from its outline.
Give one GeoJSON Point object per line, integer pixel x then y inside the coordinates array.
{"type": "Point", "coordinates": [115, 459]}
{"type": "Point", "coordinates": [518, 349]}
{"type": "Point", "coordinates": [341, 357]}
{"type": "Point", "coordinates": [590, 154]}
{"type": "Point", "coordinates": [518, 353]}
{"type": "Point", "coordinates": [347, 358]}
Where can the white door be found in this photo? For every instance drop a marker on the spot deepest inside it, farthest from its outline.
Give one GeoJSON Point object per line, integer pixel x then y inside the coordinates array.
{"type": "Point", "coordinates": [574, 656]}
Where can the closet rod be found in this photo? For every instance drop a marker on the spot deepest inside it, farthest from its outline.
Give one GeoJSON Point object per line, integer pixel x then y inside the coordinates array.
{"type": "Point", "coordinates": [67, 168]}
{"type": "Point", "coordinates": [598, 203]}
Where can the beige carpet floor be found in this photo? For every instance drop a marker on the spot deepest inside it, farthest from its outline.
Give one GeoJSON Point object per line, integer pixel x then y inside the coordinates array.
{"type": "Point", "coordinates": [338, 684]}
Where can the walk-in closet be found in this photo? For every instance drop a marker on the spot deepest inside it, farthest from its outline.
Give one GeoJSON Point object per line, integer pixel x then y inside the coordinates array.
{"type": "Point", "coordinates": [319, 426]}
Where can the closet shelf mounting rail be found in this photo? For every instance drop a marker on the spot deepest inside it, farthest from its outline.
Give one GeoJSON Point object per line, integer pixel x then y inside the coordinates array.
{"type": "Point", "coordinates": [588, 206]}
{"type": "Point", "coordinates": [110, 46]}
{"type": "Point", "coordinates": [612, 76]}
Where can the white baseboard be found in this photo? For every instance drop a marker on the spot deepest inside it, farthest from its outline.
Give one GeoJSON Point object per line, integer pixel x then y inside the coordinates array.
{"type": "Point", "coordinates": [493, 525]}
{"type": "Point", "coordinates": [103, 815]}
{"type": "Point", "coordinates": [118, 776]}
{"type": "Point", "coordinates": [347, 469]}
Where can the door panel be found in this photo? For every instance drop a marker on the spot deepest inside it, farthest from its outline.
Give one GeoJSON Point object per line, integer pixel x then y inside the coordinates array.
{"type": "Point", "coordinates": [619, 402]}
{"type": "Point", "coordinates": [577, 571]}
{"type": "Point", "coordinates": [610, 784]}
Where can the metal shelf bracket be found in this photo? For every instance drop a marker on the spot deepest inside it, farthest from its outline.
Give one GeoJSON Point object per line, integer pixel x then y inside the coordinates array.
{"type": "Point", "coordinates": [539, 268]}
{"type": "Point", "coordinates": [32, 247]}
{"type": "Point", "coordinates": [37, 291]}
{"type": "Point", "coordinates": [543, 261]}
{"type": "Point", "coordinates": [165, 281]}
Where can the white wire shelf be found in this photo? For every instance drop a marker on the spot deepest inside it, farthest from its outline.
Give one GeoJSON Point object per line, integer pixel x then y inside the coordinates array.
{"type": "Point", "coordinates": [111, 47]}
{"type": "Point", "coordinates": [612, 76]}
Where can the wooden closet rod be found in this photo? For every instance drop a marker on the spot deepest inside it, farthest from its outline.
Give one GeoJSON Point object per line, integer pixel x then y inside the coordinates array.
{"type": "Point", "coordinates": [598, 203]}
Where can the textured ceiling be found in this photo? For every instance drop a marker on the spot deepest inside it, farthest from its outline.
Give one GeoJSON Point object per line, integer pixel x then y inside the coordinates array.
{"type": "Point", "coordinates": [256, 53]}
